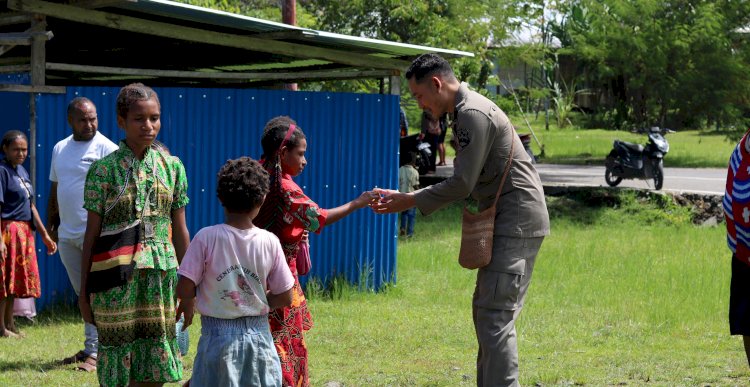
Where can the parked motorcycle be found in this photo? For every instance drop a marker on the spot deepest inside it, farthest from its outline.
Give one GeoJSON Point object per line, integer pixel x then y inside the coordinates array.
{"type": "Point", "coordinates": [421, 150]}
{"type": "Point", "coordinates": [634, 161]}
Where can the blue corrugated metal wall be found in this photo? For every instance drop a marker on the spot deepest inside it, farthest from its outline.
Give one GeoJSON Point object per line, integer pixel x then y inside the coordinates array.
{"type": "Point", "coordinates": [15, 106]}
{"type": "Point", "coordinates": [352, 146]}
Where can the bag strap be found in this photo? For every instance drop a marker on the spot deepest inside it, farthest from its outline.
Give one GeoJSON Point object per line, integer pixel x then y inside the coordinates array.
{"type": "Point", "coordinates": [507, 167]}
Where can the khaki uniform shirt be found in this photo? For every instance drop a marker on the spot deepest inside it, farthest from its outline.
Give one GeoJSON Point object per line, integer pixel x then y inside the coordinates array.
{"type": "Point", "coordinates": [483, 135]}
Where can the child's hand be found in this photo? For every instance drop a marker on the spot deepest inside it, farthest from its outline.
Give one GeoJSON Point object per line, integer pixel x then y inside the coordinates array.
{"type": "Point", "coordinates": [367, 198]}
{"type": "Point", "coordinates": [187, 309]}
{"type": "Point", "coordinates": [393, 201]}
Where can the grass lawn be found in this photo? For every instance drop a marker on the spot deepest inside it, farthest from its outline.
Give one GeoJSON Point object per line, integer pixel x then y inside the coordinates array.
{"type": "Point", "coordinates": [688, 149]}
{"type": "Point", "coordinates": [628, 296]}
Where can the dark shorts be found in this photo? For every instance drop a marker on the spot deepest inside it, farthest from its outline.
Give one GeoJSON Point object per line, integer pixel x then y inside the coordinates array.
{"type": "Point", "coordinates": [739, 299]}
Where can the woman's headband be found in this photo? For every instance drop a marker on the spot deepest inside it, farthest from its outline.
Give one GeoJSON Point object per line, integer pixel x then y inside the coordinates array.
{"type": "Point", "coordinates": [288, 134]}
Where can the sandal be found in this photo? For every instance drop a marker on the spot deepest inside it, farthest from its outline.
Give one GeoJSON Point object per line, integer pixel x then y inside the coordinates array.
{"type": "Point", "coordinates": [88, 365]}
{"type": "Point", "coordinates": [77, 358]}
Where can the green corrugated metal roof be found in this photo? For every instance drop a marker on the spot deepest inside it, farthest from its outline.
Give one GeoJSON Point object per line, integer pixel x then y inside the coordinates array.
{"type": "Point", "coordinates": [171, 9]}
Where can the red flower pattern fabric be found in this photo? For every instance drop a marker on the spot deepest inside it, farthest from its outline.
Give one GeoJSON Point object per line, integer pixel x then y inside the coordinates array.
{"type": "Point", "coordinates": [19, 271]}
{"type": "Point", "coordinates": [288, 212]}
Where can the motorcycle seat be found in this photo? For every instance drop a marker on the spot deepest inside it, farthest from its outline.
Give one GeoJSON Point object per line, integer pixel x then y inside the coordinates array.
{"type": "Point", "coordinates": [637, 148]}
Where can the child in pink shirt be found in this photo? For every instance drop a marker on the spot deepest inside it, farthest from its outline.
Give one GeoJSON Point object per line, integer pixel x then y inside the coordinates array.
{"type": "Point", "coordinates": [235, 274]}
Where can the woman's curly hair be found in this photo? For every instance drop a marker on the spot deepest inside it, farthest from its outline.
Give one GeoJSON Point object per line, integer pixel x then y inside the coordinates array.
{"type": "Point", "coordinates": [242, 185]}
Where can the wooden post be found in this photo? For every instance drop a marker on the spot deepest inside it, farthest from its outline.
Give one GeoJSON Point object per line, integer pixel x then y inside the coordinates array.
{"type": "Point", "coordinates": [394, 85]}
{"type": "Point", "coordinates": [38, 63]}
{"type": "Point", "coordinates": [38, 53]}
{"type": "Point", "coordinates": [289, 16]}
{"type": "Point", "coordinates": [32, 139]}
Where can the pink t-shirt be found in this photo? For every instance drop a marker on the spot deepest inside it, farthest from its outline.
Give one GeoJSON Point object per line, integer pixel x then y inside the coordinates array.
{"type": "Point", "coordinates": [232, 270]}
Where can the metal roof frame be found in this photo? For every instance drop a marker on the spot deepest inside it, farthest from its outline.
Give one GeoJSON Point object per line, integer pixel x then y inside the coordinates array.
{"type": "Point", "coordinates": [186, 45]}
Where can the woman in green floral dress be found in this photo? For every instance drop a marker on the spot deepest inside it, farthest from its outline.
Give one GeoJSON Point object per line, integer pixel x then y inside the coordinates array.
{"type": "Point", "coordinates": [136, 191]}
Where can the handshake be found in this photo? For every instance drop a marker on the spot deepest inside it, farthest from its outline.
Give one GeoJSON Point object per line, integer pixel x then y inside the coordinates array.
{"type": "Point", "coordinates": [386, 201]}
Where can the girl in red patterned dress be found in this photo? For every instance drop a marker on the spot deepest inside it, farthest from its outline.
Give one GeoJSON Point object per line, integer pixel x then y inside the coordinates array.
{"type": "Point", "coordinates": [289, 214]}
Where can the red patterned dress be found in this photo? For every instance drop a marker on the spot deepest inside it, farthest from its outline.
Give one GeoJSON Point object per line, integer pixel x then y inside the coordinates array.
{"type": "Point", "coordinates": [288, 212]}
{"type": "Point", "coordinates": [19, 271]}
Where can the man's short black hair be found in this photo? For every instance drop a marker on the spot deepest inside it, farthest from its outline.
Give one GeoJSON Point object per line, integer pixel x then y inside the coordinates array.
{"type": "Point", "coordinates": [427, 65]}
{"type": "Point", "coordinates": [242, 184]}
{"type": "Point", "coordinates": [76, 102]}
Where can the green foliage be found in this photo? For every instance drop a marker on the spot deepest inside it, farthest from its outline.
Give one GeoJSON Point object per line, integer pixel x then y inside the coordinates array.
{"type": "Point", "coordinates": [687, 148]}
{"type": "Point", "coordinates": [507, 104]}
{"type": "Point", "coordinates": [607, 206]}
{"type": "Point", "coordinates": [261, 9]}
{"type": "Point", "coordinates": [453, 24]}
{"type": "Point", "coordinates": [670, 63]}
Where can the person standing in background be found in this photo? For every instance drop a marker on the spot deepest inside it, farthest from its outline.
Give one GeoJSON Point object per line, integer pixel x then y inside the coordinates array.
{"type": "Point", "coordinates": [408, 181]}
{"type": "Point", "coordinates": [738, 227]}
{"type": "Point", "coordinates": [433, 132]}
{"type": "Point", "coordinates": [403, 123]}
{"type": "Point", "coordinates": [66, 218]}
{"type": "Point", "coordinates": [19, 270]}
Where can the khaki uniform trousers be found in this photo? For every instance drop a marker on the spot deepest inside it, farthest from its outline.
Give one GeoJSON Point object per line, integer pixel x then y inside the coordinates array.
{"type": "Point", "coordinates": [498, 299]}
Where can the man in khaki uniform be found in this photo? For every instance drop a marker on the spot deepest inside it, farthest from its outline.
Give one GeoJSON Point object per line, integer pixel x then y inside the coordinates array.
{"type": "Point", "coordinates": [483, 135]}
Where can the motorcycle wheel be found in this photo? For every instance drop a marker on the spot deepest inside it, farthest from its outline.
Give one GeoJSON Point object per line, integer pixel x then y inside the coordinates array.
{"type": "Point", "coordinates": [611, 179]}
{"type": "Point", "coordinates": [659, 175]}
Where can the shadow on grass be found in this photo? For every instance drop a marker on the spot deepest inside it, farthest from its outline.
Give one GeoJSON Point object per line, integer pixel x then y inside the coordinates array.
{"type": "Point", "coordinates": [59, 313]}
{"type": "Point", "coordinates": [584, 207]}
{"type": "Point", "coordinates": [22, 364]}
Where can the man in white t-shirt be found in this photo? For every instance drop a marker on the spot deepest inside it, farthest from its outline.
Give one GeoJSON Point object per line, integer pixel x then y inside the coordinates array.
{"type": "Point", "coordinates": [66, 218]}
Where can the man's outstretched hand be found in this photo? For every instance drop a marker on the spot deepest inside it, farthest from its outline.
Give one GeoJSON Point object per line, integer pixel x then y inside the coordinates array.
{"type": "Point", "coordinates": [392, 201]}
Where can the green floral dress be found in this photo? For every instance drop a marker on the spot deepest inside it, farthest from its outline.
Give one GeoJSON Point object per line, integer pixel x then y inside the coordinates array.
{"type": "Point", "coordinates": [136, 321]}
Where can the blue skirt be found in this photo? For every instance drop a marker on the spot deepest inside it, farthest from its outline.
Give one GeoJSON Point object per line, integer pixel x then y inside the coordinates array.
{"type": "Point", "coordinates": [238, 352]}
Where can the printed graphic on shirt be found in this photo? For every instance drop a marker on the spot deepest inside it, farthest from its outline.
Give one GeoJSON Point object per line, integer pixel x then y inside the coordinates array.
{"type": "Point", "coordinates": [240, 286]}
{"type": "Point", "coordinates": [25, 184]}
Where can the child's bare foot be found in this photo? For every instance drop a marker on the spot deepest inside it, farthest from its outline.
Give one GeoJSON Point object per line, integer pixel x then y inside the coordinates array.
{"type": "Point", "coordinates": [10, 334]}
{"type": "Point", "coordinates": [14, 329]}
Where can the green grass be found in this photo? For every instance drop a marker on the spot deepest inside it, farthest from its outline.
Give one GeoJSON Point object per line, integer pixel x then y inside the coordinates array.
{"type": "Point", "coordinates": [687, 149]}
{"type": "Point", "coordinates": [625, 292]}
{"type": "Point", "coordinates": [634, 300]}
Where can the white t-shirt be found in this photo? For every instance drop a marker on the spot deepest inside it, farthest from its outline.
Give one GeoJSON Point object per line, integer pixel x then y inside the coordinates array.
{"type": "Point", "coordinates": [70, 163]}
{"type": "Point", "coordinates": [233, 268]}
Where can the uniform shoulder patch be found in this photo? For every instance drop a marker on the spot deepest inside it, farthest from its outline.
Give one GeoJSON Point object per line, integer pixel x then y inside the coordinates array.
{"type": "Point", "coordinates": [463, 137]}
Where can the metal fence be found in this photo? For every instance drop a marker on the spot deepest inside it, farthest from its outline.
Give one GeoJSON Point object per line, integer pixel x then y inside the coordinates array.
{"type": "Point", "coordinates": [352, 146]}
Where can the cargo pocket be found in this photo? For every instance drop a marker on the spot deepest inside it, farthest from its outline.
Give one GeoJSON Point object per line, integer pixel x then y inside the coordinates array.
{"type": "Point", "coordinates": [500, 289]}
{"type": "Point", "coordinates": [499, 283]}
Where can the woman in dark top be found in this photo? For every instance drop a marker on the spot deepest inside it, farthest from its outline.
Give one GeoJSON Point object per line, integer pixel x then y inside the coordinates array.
{"type": "Point", "coordinates": [19, 270]}
{"type": "Point", "coordinates": [433, 132]}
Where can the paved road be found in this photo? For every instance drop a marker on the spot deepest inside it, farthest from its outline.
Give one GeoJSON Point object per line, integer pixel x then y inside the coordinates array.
{"type": "Point", "coordinates": [697, 180]}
